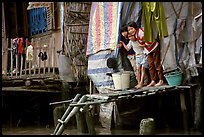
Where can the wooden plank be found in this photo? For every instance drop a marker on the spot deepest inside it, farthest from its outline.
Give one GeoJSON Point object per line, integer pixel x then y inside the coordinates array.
{"type": "Point", "coordinates": [74, 32]}
{"type": "Point", "coordinates": [84, 24]}
{"type": "Point", "coordinates": [80, 12]}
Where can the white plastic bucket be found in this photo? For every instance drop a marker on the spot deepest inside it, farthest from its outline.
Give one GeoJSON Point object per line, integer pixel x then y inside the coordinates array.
{"type": "Point", "coordinates": [121, 81]}
{"type": "Point", "coordinates": [125, 80]}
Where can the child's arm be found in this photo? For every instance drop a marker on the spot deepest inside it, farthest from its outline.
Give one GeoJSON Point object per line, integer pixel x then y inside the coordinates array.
{"type": "Point", "coordinates": [125, 46]}
{"type": "Point", "coordinates": [141, 45]}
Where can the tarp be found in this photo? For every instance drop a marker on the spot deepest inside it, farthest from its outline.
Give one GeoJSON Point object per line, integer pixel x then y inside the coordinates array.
{"type": "Point", "coordinates": [103, 27]}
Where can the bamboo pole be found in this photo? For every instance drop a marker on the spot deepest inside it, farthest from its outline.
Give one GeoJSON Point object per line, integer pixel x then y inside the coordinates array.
{"type": "Point", "coordinates": [66, 113]}
{"type": "Point", "coordinates": [72, 113]}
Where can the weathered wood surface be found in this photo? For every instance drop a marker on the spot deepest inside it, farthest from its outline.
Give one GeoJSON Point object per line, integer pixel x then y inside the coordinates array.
{"type": "Point", "coordinates": [95, 99]}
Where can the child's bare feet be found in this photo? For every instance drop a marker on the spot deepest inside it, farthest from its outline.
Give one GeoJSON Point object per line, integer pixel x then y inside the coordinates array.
{"type": "Point", "coordinates": [140, 85]}
{"type": "Point", "coordinates": [151, 84]}
{"type": "Point", "coordinates": [161, 82]}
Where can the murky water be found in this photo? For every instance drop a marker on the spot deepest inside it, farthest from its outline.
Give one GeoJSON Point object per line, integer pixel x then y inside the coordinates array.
{"type": "Point", "coordinates": [99, 131]}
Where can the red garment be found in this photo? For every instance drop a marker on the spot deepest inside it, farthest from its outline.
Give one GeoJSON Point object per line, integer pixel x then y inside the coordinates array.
{"type": "Point", "coordinates": [20, 46]}
{"type": "Point", "coordinates": [149, 46]}
{"type": "Point", "coordinates": [155, 67]}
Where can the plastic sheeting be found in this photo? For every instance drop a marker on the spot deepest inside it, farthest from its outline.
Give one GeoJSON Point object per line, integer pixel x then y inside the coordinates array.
{"type": "Point", "coordinates": [98, 69]}
{"type": "Point", "coordinates": [103, 27]}
{"type": "Point", "coordinates": [179, 17]}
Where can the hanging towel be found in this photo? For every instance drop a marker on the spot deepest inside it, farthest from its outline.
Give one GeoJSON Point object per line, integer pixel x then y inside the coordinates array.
{"type": "Point", "coordinates": [29, 53]}
{"type": "Point", "coordinates": [153, 12]}
{"type": "Point", "coordinates": [103, 28]}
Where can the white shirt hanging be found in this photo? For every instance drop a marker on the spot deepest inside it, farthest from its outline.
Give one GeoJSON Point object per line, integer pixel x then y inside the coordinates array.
{"type": "Point", "coordinates": [29, 53]}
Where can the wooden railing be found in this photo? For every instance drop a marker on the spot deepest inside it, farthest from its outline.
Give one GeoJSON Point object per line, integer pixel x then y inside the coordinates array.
{"type": "Point", "coordinates": [20, 68]}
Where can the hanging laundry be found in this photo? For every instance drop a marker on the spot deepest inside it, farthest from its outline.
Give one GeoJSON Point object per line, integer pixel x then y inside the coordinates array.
{"type": "Point", "coordinates": [20, 46]}
{"type": "Point", "coordinates": [153, 12]}
{"type": "Point", "coordinates": [15, 46]}
{"type": "Point", "coordinates": [29, 53]}
{"type": "Point", "coordinates": [45, 55]}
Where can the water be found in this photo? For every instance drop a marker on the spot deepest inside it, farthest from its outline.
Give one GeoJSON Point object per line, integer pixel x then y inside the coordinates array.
{"type": "Point", "coordinates": [99, 131]}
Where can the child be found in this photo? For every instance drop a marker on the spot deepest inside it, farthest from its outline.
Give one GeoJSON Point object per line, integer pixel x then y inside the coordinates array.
{"type": "Point", "coordinates": [130, 53]}
{"type": "Point", "coordinates": [152, 50]}
{"type": "Point", "coordinates": [141, 59]}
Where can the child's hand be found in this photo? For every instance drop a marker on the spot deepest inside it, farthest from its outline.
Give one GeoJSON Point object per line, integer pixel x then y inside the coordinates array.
{"type": "Point", "coordinates": [141, 45]}
{"type": "Point", "coordinates": [120, 45]}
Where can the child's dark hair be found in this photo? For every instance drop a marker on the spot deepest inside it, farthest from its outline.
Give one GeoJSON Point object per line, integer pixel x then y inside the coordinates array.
{"type": "Point", "coordinates": [133, 24]}
{"type": "Point", "coordinates": [124, 29]}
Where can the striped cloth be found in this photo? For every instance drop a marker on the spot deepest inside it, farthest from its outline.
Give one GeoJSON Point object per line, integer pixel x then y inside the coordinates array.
{"type": "Point", "coordinates": [97, 70]}
{"type": "Point", "coordinates": [103, 26]}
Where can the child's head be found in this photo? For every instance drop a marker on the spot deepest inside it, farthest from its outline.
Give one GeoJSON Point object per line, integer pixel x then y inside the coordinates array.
{"type": "Point", "coordinates": [124, 31]}
{"type": "Point", "coordinates": [131, 37]}
{"type": "Point", "coordinates": [132, 27]}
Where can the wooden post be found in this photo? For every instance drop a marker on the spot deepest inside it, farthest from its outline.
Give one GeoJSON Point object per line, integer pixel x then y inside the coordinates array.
{"type": "Point", "coordinates": [90, 121]}
{"type": "Point", "coordinates": [184, 110]}
{"type": "Point", "coordinates": [147, 127]}
{"type": "Point", "coordinates": [81, 122]}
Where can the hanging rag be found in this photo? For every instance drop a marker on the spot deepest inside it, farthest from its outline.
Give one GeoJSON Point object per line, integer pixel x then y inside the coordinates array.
{"type": "Point", "coordinates": [29, 53]}
{"type": "Point", "coordinates": [153, 12]}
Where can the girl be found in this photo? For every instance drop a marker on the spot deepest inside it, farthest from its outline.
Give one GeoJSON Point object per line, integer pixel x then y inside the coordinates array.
{"type": "Point", "coordinates": [152, 51]}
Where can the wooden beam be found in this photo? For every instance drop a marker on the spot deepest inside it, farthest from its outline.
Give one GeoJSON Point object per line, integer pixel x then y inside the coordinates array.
{"type": "Point", "coordinates": [81, 12]}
